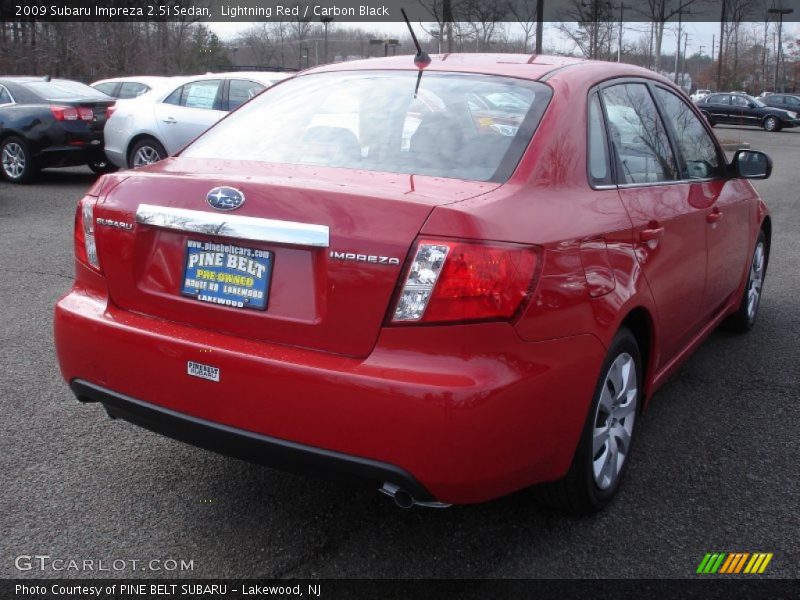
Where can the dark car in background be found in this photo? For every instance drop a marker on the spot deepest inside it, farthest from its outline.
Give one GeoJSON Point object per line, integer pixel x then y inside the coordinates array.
{"type": "Point", "coordinates": [50, 123]}
{"type": "Point", "coordinates": [740, 109]}
{"type": "Point", "coordinates": [785, 101]}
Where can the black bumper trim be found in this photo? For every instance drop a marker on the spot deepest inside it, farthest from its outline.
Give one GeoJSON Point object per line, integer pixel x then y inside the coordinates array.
{"type": "Point", "coordinates": [249, 446]}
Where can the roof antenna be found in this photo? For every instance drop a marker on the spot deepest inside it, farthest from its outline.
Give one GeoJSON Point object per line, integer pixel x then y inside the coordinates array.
{"type": "Point", "coordinates": [422, 59]}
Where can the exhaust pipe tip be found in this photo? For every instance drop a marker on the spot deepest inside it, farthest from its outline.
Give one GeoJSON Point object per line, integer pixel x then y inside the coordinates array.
{"type": "Point", "coordinates": [405, 500]}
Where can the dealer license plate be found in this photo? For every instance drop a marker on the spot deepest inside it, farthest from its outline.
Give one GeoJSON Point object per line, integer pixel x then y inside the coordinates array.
{"type": "Point", "coordinates": [227, 275]}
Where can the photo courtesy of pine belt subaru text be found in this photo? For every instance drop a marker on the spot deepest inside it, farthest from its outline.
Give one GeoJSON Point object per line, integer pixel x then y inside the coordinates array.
{"type": "Point", "coordinates": [448, 279]}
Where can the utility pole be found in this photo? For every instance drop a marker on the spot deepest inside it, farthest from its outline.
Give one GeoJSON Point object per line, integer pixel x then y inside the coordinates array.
{"type": "Point", "coordinates": [683, 58]}
{"type": "Point", "coordinates": [678, 47]}
{"type": "Point", "coordinates": [622, 8]}
{"type": "Point", "coordinates": [780, 12]}
{"type": "Point", "coordinates": [721, 40]}
{"type": "Point", "coordinates": [539, 25]}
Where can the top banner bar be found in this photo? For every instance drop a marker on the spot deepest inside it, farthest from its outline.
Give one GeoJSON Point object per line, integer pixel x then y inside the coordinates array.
{"type": "Point", "coordinates": [426, 11]}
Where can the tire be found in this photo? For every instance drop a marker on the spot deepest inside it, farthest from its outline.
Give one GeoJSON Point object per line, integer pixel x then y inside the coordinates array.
{"type": "Point", "coordinates": [16, 163]}
{"type": "Point", "coordinates": [746, 313]}
{"type": "Point", "coordinates": [146, 152]}
{"type": "Point", "coordinates": [591, 482]}
{"type": "Point", "coordinates": [771, 124]}
{"type": "Point", "coordinates": [101, 166]}
{"type": "Point", "coordinates": [709, 119]}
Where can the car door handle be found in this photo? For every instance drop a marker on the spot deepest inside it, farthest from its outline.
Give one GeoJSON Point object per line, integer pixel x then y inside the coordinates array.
{"type": "Point", "coordinates": [651, 234]}
{"type": "Point", "coordinates": [714, 216]}
{"type": "Point", "coordinates": [170, 120]}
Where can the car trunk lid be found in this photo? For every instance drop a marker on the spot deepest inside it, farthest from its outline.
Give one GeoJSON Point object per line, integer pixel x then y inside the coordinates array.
{"type": "Point", "coordinates": [331, 256]}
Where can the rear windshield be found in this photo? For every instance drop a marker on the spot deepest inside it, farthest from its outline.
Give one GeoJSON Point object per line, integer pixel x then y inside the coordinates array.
{"type": "Point", "coordinates": [63, 89]}
{"type": "Point", "coordinates": [460, 126]}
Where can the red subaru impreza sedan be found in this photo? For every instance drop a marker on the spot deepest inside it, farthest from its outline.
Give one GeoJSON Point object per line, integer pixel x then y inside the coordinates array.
{"type": "Point", "coordinates": [450, 281]}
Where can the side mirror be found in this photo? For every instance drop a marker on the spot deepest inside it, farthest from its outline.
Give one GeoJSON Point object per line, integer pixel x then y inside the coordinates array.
{"type": "Point", "coordinates": [752, 104]}
{"type": "Point", "coordinates": [751, 164]}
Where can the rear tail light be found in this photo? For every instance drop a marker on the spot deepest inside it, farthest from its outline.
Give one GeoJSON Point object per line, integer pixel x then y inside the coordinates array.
{"type": "Point", "coordinates": [70, 113]}
{"type": "Point", "coordinates": [110, 111]}
{"type": "Point", "coordinates": [465, 281]}
{"type": "Point", "coordinates": [85, 247]}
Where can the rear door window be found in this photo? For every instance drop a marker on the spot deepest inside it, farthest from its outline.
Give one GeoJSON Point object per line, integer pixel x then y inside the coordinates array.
{"type": "Point", "coordinates": [641, 146]}
{"type": "Point", "coordinates": [200, 94]}
{"type": "Point", "coordinates": [197, 94]}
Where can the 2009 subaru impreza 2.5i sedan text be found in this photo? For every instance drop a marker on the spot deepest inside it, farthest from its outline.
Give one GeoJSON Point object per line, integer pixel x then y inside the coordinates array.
{"type": "Point", "coordinates": [450, 282]}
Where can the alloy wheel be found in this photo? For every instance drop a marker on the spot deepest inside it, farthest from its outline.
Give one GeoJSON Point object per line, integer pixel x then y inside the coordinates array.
{"type": "Point", "coordinates": [145, 155]}
{"type": "Point", "coordinates": [755, 281]}
{"type": "Point", "coordinates": [770, 124]}
{"type": "Point", "coordinates": [13, 159]}
{"type": "Point", "coordinates": [614, 420]}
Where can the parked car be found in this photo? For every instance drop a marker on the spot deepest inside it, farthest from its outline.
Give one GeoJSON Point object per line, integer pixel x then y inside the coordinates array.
{"type": "Point", "coordinates": [160, 122]}
{"type": "Point", "coordinates": [50, 123]}
{"type": "Point", "coordinates": [124, 88]}
{"type": "Point", "coordinates": [790, 102]}
{"type": "Point", "coordinates": [449, 320]}
{"type": "Point", "coordinates": [699, 95]}
{"type": "Point", "coordinates": [741, 109]}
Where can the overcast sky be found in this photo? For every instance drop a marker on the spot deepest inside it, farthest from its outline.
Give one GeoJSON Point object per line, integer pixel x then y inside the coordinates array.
{"type": "Point", "coordinates": [700, 34]}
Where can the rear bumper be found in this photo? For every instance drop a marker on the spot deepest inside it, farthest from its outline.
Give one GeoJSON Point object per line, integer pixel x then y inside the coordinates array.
{"type": "Point", "coordinates": [249, 446]}
{"type": "Point", "coordinates": [69, 156]}
{"type": "Point", "coordinates": [461, 414]}
{"type": "Point", "coordinates": [117, 157]}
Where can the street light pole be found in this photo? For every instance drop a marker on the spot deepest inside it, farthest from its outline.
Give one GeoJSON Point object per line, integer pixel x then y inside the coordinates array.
{"type": "Point", "coordinates": [780, 12]}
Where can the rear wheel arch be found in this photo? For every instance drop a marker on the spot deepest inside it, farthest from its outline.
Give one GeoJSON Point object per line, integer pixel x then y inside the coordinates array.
{"type": "Point", "coordinates": [641, 324]}
{"type": "Point", "coordinates": [138, 138]}
{"type": "Point", "coordinates": [766, 227]}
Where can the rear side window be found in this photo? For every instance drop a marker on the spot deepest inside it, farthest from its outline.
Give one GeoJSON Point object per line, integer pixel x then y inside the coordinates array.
{"type": "Point", "coordinates": [599, 165]}
{"type": "Point", "coordinates": [106, 88]}
{"type": "Point", "coordinates": [451, 125]}
{"type": "Point", "coordinates": [719, 99]}
{"type": "Point", "coordinates": [698, 153]}
{"type": "Point", "coordinates": [640, 142]}
{"type": "Point", "coordinates": [241, 90]}
{"type": "Point", "coordinates": [5, 97]}
{"type": "Point", "coordinates": [131, 89]}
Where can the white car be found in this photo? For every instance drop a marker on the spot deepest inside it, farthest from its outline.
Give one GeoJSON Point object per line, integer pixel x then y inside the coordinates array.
{"type": "Point", "coordinates": [159, 123]}
{"type": "Point", "coordinates": [699, 95]}
{"type": "Point", "coordinates": [124, 88]}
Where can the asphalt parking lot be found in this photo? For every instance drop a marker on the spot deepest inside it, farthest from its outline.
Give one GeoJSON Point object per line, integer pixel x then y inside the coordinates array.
{"type": "Point", "coordinates": [715, 468]}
